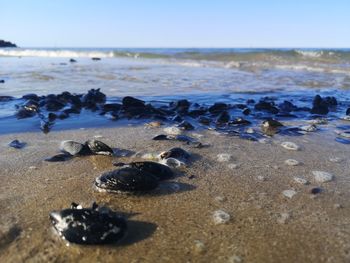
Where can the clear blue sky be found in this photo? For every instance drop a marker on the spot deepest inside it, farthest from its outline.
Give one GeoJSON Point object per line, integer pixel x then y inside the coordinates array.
{"type": "Point", "coordinates": [176, 23]}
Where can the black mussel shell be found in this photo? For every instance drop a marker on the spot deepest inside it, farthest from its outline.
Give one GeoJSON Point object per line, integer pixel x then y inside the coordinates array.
{"type": "Point", "coordinates": [98, 147]}
{"type": "Point", "coordinates": [176, 153]}
{"type": "Point", "coordinates": [126, 179]}
{"type": "Point", "coordinates": [17, 144]}
{"type": "Point", "coordinates": [88, 226]}
{"type": "Point", "coordinates": [160, 171]}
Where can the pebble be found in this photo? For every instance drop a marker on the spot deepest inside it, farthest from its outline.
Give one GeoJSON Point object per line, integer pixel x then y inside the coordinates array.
{"type": "Point", "coordinates": [173, 130]}
{"type": "Point", "coordinates": [309, 128]}
{"type": "Point", "coordinates": [235, 259]}
{"type": "Point", "coordinates": [98, 136]}
{"type": "Point", "coordinates": [318, 121]}
{"type": "Point", "coordinates": [290, 146]}
{"type": "Point", "coordinates": [221, 217]}
{"type": "Point", "coordinates": [300, 180]}
{"type": "Point", "coordinates": [233, 166]}
{"type": "Point", "coordinates": [264, 141]}
{"type": "Point", "coordinates": [291, 162]}
{"type": "Point", "coordinates": [220, 198]}
{"type": "Point", "coordinates": [199, 247]}
{"type": "Point", "coordinates": [250, 131]}
{"type": "Point", "coordinates": [33, 167]}
{"type": "Point", "coordinates": [335, 160]}
{"type": "Point", "coordinates": [224, 157]}
{"type": "Point", "coordinates": [289, 193]}
{"type": "Point", "coordinates": [337, 206]}
{"type": "Point", "coordinates": [261, 178]}
{"type": "Point", "coordinates": [283, 218]}
{"type": "Point", "coordinates": [322, 177]}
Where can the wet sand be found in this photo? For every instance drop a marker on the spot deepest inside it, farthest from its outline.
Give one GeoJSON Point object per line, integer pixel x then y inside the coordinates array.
{"type": "Point", "coordinates": [176, 225]}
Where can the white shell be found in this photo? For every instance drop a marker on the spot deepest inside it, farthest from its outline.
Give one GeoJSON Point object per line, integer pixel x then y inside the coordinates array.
{"type": "Point", "coordinates": [322, 177]}
{"type": "Point", "coordinates": [290, 146]}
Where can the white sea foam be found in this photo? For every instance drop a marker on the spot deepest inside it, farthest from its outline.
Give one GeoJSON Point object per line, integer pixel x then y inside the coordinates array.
{"type": "Point", "coordinates": [53, 53]}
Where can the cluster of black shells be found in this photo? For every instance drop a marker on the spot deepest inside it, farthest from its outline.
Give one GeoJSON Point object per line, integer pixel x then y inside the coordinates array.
{"type": "Point", "coordinates": [53, 107]}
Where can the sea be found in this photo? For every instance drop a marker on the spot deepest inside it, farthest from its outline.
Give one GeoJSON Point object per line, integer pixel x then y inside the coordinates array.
{"type": "Point", "coordinates": [162, 75]}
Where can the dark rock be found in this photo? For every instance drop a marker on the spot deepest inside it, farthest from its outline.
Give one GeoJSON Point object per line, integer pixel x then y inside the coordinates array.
{"type": "Point", "coordinates": [23, 113]}
{"type": "Point", "coordinates": [286, 106]}
{"type": "Point", "coordinates": [53, 105]}
{"type": "Point", "coordinates": [250, 101]}
{"type": "Point", "coordinates": [72, 60]}
{"type": "Point", "coordinates": [185, 125]}
{"type": "Point", "coordinates": [246, 111]}
{"type": "Point", "coordinates": [2, 81]}
{"type": "Point", "coordinates": [111, 107]}
{"type": "Point", "coordinates": [63, 115]}
{"type": "Point", "coordinates": [240, 106]}
{"type": "Point", "coordinates": [266, 106]}
{"type": "Point", "coordinates": [320, 109]}
{"type": "Point", "coordinates": [196, 113]}
{"type": "Point", "coordinates": [96, 59]}
{"type": "Point", "coordinates": [348, 111]}
{"type": "Point", "coordinates": [181, 106]}
{"type": "Point", "coordinates": [51, 117]}
{"type": "Point", "coordinates": [204, 120]}
{"type": "Point", "coordinates": [224, 117]}
{"type": "Point", "coordinates": [4, 43]}
{"type": "Point", "coordinates": [6, 98]}
{"type": "Point", "coordinates": [315, 190]}
{"type": "Point", "coordinates": [239, 121]}
{"type": "Point", "coordinates": [177, 118]}
{"type": "Point", "coordinates": [218, 108]}
{"type": "Point", "coordinates": [31, 96]}
{"type": "Point", "coordinates": [131, 102]}
{"type": "Point", "coordinates": [93, 97]}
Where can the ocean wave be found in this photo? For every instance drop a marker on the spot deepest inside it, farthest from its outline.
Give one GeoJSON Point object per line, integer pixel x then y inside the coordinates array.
{"type": "Point", "coordinates": [53, 53]}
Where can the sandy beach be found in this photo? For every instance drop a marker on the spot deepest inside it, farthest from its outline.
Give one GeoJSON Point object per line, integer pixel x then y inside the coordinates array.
{"type": "Point", "coordinates": [175, 222]}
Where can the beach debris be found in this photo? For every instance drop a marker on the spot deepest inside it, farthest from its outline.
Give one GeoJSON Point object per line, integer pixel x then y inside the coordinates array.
{"type": "Point", "coordinates": [261, 178]}
{"type": "Point", "coordinates": [223, 157]}
{"type": "Point", "coordinates": [291, 162]}
{"type": "Point", "coordinates": [160, 171]}
{"type": "Point", "coordinates": [315, 190]}
{"type": "Point", "coordinates": [88, 226]}
{"type": "Point", "coordinates": [322, 177]}
{"type": "Point", "coordinates": [290, 146]}
{"type": "Point", "coordinates": [177, 153]}
{"type": "Point", "coordinates": [154, 124]}
{"type": "Point", "coordinates": [233, 166]}
{"type": "Point", "coordinates": [172, 130]}
{"type": "Point", "coordinates": [309, 128]}
{"type": "Point", "coordinates": [283, 218]}
{"type": "Point", "coordinates": [335, 159]}
{"type": "Point", "coordinates": [98, 147]}
{"type": "Point", "coordinates": [59, 158]}
{"type": "Point", "coordinates": [235, 259]}
{"type": "Point", "coordinates": [300, 180]}
{"type": "Point", "coordinates": [199, 247]}
{"type": "Point", "coordinates": [220, 199]}
{"type": "Point", "coordinates": [126, 180]}
{"type": "Point", "coordinates": [289, 193]}
{"type": "Point", "coordinates": [337, 206]}
{"type": "Point", "coordinates": [221, 217]}
{"type": "Point", "coordinates": [17, 144]}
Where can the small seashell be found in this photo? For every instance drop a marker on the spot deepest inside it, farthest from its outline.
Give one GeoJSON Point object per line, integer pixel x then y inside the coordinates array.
{"type": "Point", "coordinates": [322, 177]}
{"type": "Point", "coordinates": [335, 160]}
{"type": "Point", "coordinates": [173, 130]}
{"type": "Point", "coordinates": [224, 157]}
{"type": "Point", "coordinates": [291, 162]}
{"type": "Point", "coordinates": [289, 193]}
{"type": "Point", "coordinates": [221, 217]}
{"type": "Point", "coordinates": [309, 128]}
{"type": "Point", "coordinates": [233, 166]}
{"type": "Point", "coordinates": [290, 146]}
{"type": "Point", "coordinates": [300, 180]}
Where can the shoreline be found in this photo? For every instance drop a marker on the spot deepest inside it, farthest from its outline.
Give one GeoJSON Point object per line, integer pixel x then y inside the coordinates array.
{"type": "Point", "coordinates": [177, 226]}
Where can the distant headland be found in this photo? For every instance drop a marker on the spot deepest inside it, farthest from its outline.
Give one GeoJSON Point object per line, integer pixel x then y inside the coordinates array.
{"type": "Point", "coordinates": [4, 43]}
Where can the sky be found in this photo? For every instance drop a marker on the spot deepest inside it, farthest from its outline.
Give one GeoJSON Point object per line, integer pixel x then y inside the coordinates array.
{"type": "Point", "coordinates": [176, 23]}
